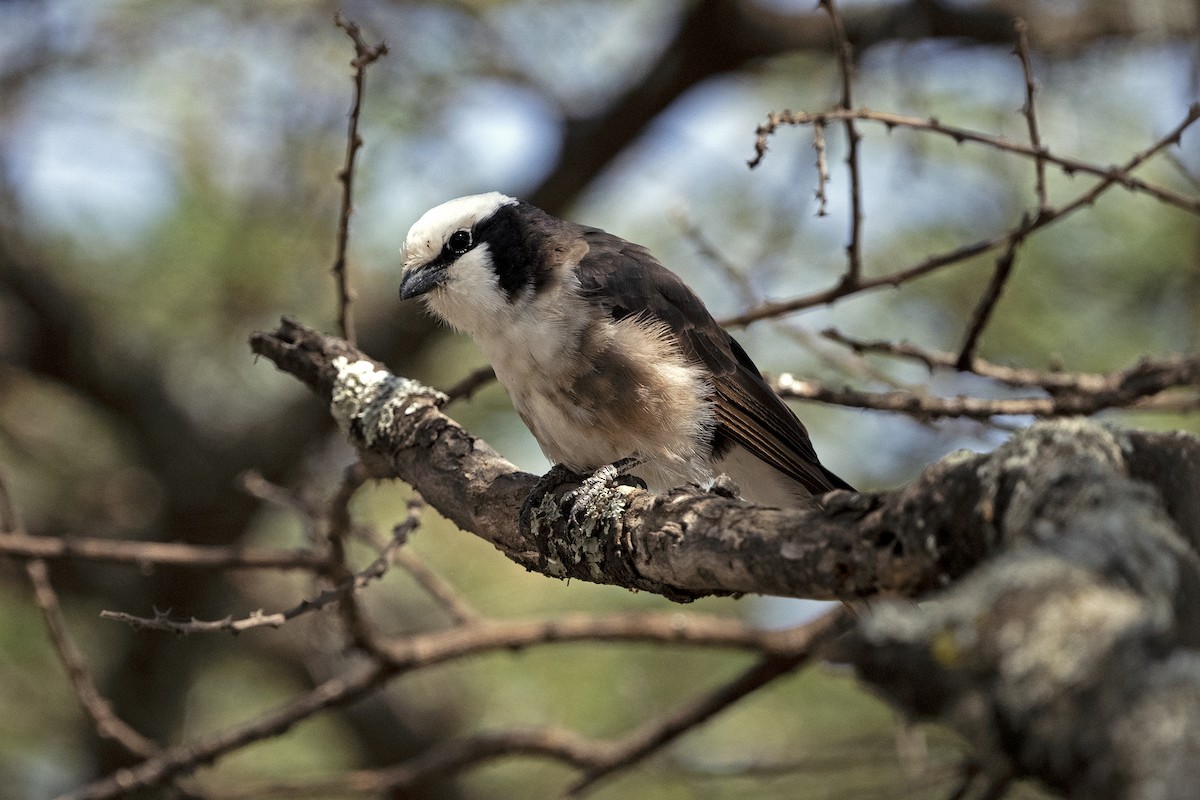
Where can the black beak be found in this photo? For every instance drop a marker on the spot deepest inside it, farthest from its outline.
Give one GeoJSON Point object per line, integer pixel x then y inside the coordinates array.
{"type": "Point", "coordinates": [417, 282]}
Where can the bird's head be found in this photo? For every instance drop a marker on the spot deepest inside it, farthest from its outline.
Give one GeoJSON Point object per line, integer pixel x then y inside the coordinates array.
{"type": "Point", "coordinates": [475, 259]}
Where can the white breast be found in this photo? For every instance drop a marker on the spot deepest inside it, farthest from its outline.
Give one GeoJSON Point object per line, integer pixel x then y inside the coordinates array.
{"type": "Point", "coordinates": [592, 391]}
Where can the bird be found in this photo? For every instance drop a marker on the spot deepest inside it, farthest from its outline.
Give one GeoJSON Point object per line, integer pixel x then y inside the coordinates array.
{"type": "Point", "coordinates": [608, 357]}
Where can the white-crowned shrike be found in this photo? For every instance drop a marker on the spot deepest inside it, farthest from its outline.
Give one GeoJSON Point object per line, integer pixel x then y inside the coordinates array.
{"type": "Point", "coordinates": [606, 354]}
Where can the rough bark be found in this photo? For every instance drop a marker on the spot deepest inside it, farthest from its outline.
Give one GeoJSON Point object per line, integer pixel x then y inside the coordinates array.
{"type": "Point", "coordinates": [903, 542]}
{"type": "Point", "coordinates": [1060, 572]}
{"type": "Point", "coordinates": [1070, 656]}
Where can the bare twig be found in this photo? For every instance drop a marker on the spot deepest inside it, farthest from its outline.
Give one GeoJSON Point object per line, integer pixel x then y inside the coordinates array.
{"type": "Point", "coordinates": [104, 718]}
{"type": "Point", "coordinates": [437, 647]}
{"type": "Point", "coordinates": [345, 584]}
{"type": "Point", "coordinates": [186, 758]}
{"type": "Point", "coordinates": [441, 591]}
{"type": "Point", "coordinates": [161, 621]}
{"type": "Point", "coordinates": [1122, 389]}
{"type": "Point", "coordinates": [10, 521]}
{"type": "Point", "coordinates": [846, 70]}
{"type": "Point", "coordinates": [595, 758]}
{"type": "Point", "coordinates": [142, 554]}
{"type": "Point", "coordinates": [987, 303]}
{"type": "Point", "coordinates": [656, 734]}
{"type": "Point", "coordinates": [822, 170]}
{"type": "Point", "coordinates": [1113, 176]}
{"type": "Point", "coordinates": [1052, 380]}
{"type": "Point", "coordinates": [256, 485]}
{"type": "Point", "coordinates": [468, 386]}
{"type": "Point", "coordinates": [108, 725]}
{"type": "Point", "coordinates": [1030, 112]}
{"type": "Point", "coordinates": [733, 273]}
{"type": "Point", "coordinates": [364, 55]}
{"type": "Point", "coordinates": [1069, 166]}
{"type": "Point", "coordinates": [339, 522]}
{"type": "Point", "coordinates": [342, 591]}
{"type": "Point", "coordinates": [448, 758]}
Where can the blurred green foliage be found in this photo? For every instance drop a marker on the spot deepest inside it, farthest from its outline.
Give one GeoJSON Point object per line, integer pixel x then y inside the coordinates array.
{"type": "Point", "coordinates": [169, 170]}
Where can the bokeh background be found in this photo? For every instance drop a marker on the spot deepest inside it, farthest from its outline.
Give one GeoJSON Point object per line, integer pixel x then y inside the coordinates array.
{"type": "Point", "coordinates": [167, 186]}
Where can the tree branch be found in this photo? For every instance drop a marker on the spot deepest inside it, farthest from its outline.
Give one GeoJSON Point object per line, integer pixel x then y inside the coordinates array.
{"type": "Point", "coordinates": [1070, 394]}
{"type": "Point", "coordinates": [684, 544]}
{"type": "Point", "coordinates": [869, 544]}
{"type": "Point", "coordinates": [1072, 657]}
{"type": "Point", "coordinates": [141, 553]}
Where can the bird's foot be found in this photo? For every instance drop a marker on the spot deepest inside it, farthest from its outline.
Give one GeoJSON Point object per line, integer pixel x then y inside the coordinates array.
{"type": "Point", "coordinates": [606, 478]}
{"type": "Point", "coordinates": [589, 490]}
{"type": "Point", "coordinates": [556, 477]}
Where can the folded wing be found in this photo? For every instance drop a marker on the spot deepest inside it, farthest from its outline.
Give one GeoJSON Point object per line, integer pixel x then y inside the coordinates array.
{"type": "Point", "coordinates": [625, 279]}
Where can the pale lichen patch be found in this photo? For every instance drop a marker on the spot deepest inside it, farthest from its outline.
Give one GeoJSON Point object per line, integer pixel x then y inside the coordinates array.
{"type": "Point", "coordinates": [580, 552]}
{"type": "Point", "coordinates": [367, 401]}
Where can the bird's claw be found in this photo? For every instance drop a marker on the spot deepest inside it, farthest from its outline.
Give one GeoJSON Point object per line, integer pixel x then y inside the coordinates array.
{"type": "Point", "coordinates": [590, 489]}
{"type": "Point", "coordinates": [604, 479]}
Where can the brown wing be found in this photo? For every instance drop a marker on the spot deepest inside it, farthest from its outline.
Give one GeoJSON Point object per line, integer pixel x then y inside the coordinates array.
{"type": "Point", "coordinates": [625, 279]}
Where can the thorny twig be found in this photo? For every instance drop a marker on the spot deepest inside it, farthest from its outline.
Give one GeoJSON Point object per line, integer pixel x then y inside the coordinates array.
{"type": "Point", "coordinates": [1067, 164]}
{"type": "Point", "coordinates": [991, 296]}
{"type": "Point", "coordinates": [1004, 265]}
{"type": "Point", "coordinates": [364, 56]}
{"type": "Point", "coordinates": [1030, 112]}
{"type": "Point", "coordinates": [845, 56]}
{"type": "Point", "coordinates": [441, 591]}
{"type": "Point", "coordinates": [342, 591]}
{"type": "Point", "coordinates": [822, 164]}
{"type": "Point", "coordinates": [1113, 176]}
{"type": "Point", "coordinates": [1127, 389]}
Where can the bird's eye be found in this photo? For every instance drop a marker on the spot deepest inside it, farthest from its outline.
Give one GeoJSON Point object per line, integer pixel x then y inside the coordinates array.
{"type": "Point", "coordinates": [459, 242]}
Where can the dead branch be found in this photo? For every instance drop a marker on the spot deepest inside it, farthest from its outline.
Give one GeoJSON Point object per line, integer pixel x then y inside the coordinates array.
{"type": "Point", "coordinates": [656, 734]}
